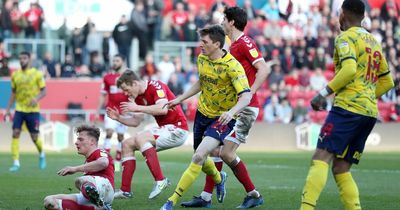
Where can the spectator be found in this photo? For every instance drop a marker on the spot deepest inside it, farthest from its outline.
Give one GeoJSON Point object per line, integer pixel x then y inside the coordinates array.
{"type": "Point", "coordinates": [94, 41]}
{"type": "Point", "coordinates": [154, 19]}
{"type": "Point", "coordinates": [166, 68]}
{"type": "Point", "coordinates": [273, 111]}
{"type": "Point", "coordinates": [4, 69]}
{"type": "Point", "coordinates": [270, 10]}
{"type": "Point", "coordinates": [139, 28]}
{"type": "Point", "coordinates": [300, 112]}
{"type": "Point", "coordinates": [64, 34]}
{"type": "Point", "coordinates": [50, 66]}
{"type": "Point", "coordinates": [276, 76]}
{"type": "Point", "coordinates": [287, 111]}
{"type": "Point", "coordinates": [149, 70]}
{"type": "Point", "coordinates": [203, 17]}
{"type": "Point", "coordinates": [318, 80]}
{"type": "Point", "coordinates": [77, 44]}
{"type": "Point", "coordinates": [175, 85]}
{"type": "Point", "coordinates": [179, 18]}
{"type": "Point", "coordinates": [190, 29]}
{"type": "Point", "coordinates": [218, 4]}
{"type": "Point", "coordinates": [68, 68]}
{"type": "Point", "coordinates": [122, 35]}
{"type": "Point", "coordinates": [320, 60]}
{"type": "Point", "coordinates": [250, 11]}
{"type": "Point", "coordinates": [105, 48]}
{"type": "Point", "coordinates": [96, 68]}
{"type": "Point", "coordinates": [18, 22]}
{"type": "Point", "coordinates": [287, 60]}
{"type": "Point", "coordinates": [5, 19]}
{"type": "Point", "coordinates": [304, 77]}
{"type": "Point", "coordinates": [34, 17]}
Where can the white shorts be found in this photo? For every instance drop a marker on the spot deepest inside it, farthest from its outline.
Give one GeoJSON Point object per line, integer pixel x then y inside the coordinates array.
{"type": "Point", "coordinates": [169, 136]}
{"type": "Point", "coordinates": [244, 122]}
{"type": "Point", "coordinates": [114, 125]}
{"type": "Point", "coordinates": [104, 188]}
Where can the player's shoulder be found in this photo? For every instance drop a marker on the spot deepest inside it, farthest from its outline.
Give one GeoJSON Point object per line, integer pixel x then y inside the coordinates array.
{"type": "Point", "coordinates": [245, 41]}
{"type": "Point", "coordinates": [156, 84]}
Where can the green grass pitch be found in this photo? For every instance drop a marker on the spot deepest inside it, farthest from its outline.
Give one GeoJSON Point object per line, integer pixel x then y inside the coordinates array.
{"type": "Point", "coordinates": [278, 176]}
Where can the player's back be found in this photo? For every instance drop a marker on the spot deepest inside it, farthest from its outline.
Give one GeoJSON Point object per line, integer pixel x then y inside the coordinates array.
{"type": "Point", "coordinates": [115, 95]}
{"type": "Point", "coordinates": [359, 95]}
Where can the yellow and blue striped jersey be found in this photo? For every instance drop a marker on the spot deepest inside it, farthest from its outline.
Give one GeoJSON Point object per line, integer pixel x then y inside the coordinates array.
{"type": "Point", "coordinates": [358, 95]}
{"type": "Point", "coordinates": [26, 85]}
{"type": "Point", "coordinates": [221, 81]}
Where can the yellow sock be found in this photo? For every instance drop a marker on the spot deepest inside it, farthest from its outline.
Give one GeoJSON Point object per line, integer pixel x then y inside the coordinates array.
{"type": "Point", "coordinates": [187, 179]}
{"type": "Point", "coordinates": [315, 183]}
{"type": "Point", "coordinates": [39, 144]}
{"type": "Point", "coordinates": [210, 169]}
{"type": "Point", "coordinates": [348, 191]}
{"type": "Point", "coordinates": [15, 148]}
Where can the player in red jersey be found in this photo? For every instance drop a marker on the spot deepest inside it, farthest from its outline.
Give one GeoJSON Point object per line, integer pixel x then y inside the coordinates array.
{"type": "Point", "coordinates": [96, 186]}
{"type": "Point", "coordinates": [114, 97]}
{"type": "Point", "coordinates": [147, 97]}
{"type": "Point", "coordinates": [244, 49]}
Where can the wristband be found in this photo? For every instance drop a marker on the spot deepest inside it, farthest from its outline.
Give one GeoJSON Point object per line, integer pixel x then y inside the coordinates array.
{"type": "Point", "coordinates": [324, 92]}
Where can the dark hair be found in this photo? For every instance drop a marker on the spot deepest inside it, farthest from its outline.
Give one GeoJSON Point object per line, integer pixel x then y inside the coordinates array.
{"type": "Point", "coordinates": [120, 56]}
{"type": "Point", "coordinates": [238, 15]}
{"type": "Point", "coordinates": [127, 77]}
{"type": "Point", "coordinates": [216, 33]}
{"type": "Point", "coordinates": [91, 130]}
{"type": "Point", "coordinates": [356, 7]}
{"type": "Point", "coordinates": [25, 53]}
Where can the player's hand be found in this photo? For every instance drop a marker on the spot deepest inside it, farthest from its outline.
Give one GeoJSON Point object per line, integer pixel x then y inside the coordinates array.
{"type": "Point", "coordinates": [225, 118]}
{"type": "Point", "coordinates": [172, 104]}
{"type": "Point", "coordinates": [33, 102]}
{"type": "Point", "coordinates": [112, 113]}
{"type": "Point", "coordinates": [130, 106]}
{"type": "Point", "coordinates": [7, 116]}
{"type": "Point", "coordinates": [318, 103]}
{"type": "Point", "coordinates": [68, 170]}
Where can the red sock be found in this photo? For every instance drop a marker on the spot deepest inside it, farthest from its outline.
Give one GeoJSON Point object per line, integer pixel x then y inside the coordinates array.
{"type": "Point", "coordinates": [72, 205]}
{"type": "Point", "coordinates": [153, 164]}
{"type": "Point", "coordinates": [209, 185]}
{"type": "Point", "coordinates": [242, 175]}
{"type": "Point", "coordinates": [128, 169]}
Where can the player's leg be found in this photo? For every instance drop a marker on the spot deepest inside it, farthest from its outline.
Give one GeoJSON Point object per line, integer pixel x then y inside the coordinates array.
{"type": "Point", "coordinates": [89, 190]}
{"type": "Point", "coordinates": [129, 146]}
{"type": "Point", "coordinates": [348, 189]}
{"type": "Point", "coordinates": [16, 132]}
{"type": "Point", "coordinates": [110, 125]}
{"type": "Point", "coordinates": [118, 154]}
{"type": "Point", "coordinates": [63, 201]}
{"type": "Point", "coordinates": [192, 172]}
{"type": "Point", "coordinates": [32, 121]}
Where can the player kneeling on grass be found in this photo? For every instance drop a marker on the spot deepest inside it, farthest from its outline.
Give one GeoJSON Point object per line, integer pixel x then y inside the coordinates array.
{"type": "Point", "coordinates": [97, 185]}
{"type": "Point", "coordinates": [147, 97]}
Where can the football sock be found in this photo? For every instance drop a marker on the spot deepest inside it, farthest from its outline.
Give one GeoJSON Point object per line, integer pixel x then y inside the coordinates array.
{"type": "Point", "coordinates": [107, 145]}
{"type": "Point", "coordinates": [118, 155]}
{"type": "Point", "coordinates": [315, 183]}
{"type": "Point", "coordinates": [210, 169]}
{"type": "Point", "coordinates": [128, 169]}
{"type": "Point", "coordinates": [348, 191]}
{"type": "Point", "coordinates": [15, 149]}
{"type": "Point", "coordinates": [187, 179]}
{"type": "Point", "coordinates": [70, 204]}
{"type": "Point", "coordinates": [39, 144]}
{"type": "Point", "coordinates": [209, 185]}
{"type": "Point", "coordinates": [242, 175]}
{"type": "Point", "coordinates": [150, 154]}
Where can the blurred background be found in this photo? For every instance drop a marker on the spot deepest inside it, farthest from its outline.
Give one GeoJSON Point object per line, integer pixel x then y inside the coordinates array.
{"type": "Point", "coordinates": [72, 42]}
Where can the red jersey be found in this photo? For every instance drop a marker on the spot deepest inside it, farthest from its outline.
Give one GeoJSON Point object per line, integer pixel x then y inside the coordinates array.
{"type": "Point", "coordinates": [108, 172]}
{"type": "Point", "coordinates": [115, 95]}
{"type": "Point", "coordinates": [33, 17]}
{"type": "Point", "coordinates": [156, 90]}
{"type": "Point", "coordinates": [246, 52]}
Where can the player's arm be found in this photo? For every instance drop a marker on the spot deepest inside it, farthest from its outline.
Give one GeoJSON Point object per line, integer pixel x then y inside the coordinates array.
{"type": "Point", "coordinates": [262, 73]}
{"type": "Point", "coordinates": [191, 92]}
{"type": "Point", "coordinates": [11, 101]}
{"type": "Point", "coordinates": [158, 108]}
{"type": "Point", "coordinates": [36, 99]}
{"type": "Point", "coordinates": [94, 166]}
{"type": "Point", "coordinates": [131, 119]}
{"type": "Point", "coordinates": [385, 83]}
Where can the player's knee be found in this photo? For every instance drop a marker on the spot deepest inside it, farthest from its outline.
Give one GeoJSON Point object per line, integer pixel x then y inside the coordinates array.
{"type": "Point", "coordinates": [120, 137]}
{"type": "Point", "coordinates": [227, 156]}
{"type": "Point", "coordinates": [215, 152]}
{"type": "Point", "coordinates": [198, 158]}
{"type": "Point", "coordinates": [129, 143]}
{"type": "Point", "coordinates": [16, 133]}
{"type": "Point", "coordinates": [50, 203]}
{"type": "Point", "coordinates": [339, 169]}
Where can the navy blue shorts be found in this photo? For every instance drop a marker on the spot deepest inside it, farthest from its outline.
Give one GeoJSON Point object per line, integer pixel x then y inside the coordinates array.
{"type": "Point", "coordinates": [31, 120]}
{"type": "Point", "coordinates": [344, 133]}
{"type": "Point", "coordinates": [204, 126]}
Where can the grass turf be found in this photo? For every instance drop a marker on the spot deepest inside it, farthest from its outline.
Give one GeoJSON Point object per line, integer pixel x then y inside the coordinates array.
{"type": "Point", "coordinates": [278, 176]}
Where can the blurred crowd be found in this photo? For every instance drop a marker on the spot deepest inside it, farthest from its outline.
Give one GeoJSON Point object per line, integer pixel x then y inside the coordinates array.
{"type": "Point", "coordinates": [296, 37]}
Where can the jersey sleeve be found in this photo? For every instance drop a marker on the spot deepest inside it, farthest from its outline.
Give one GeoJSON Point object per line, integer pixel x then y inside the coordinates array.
{"type": "Point", "coordinates": [345, 48]}
{"type": "Point", "coordinates": [40, 80]}
{"type": "Point", "coordinates": [383, 67]}
{"type": "Point", "coordinates": [105, 88]}
{"type": "Point", "coordinates": [238, 78]}
{"type": "Point", "coordinates": [13, 83]}
{"type": "Point", "coordinates": [250, 51]}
